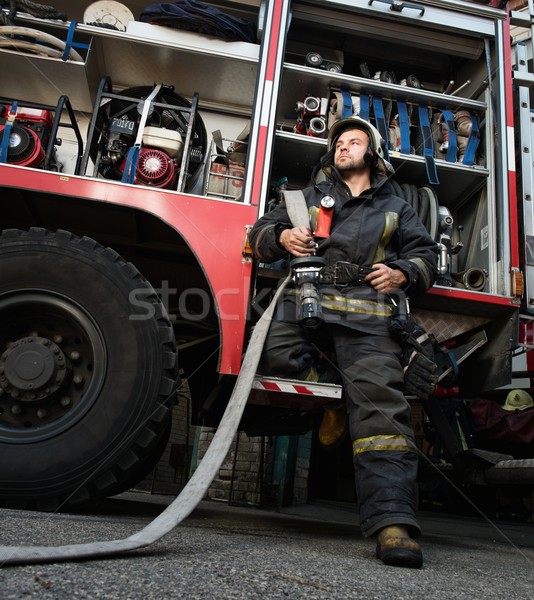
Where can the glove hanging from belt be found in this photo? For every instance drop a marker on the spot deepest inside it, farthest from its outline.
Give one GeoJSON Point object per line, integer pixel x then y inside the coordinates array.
{"type": "Point", "coordinates": [417, 357]}
{"type": "Point", "coordinates": [344, 273]}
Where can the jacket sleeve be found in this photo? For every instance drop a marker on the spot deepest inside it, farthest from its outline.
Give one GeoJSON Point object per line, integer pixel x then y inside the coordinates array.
{"type": "Point", "coordinates": [264, 235]}
{"type": "Point", "coordinates": [418, 253]}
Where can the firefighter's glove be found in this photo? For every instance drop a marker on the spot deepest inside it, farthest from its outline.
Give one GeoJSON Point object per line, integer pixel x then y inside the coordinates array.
{"type": "Point", "coordinates": [419, 376]}
{"type": "Point", "coordinates": [417, 357]}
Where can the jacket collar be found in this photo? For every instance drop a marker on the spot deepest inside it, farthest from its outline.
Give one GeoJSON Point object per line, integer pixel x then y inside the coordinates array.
{"type": "Point", "coordinates": [378, 183]}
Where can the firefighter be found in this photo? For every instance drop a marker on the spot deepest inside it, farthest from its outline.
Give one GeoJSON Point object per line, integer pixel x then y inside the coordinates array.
{"type": "Point", "coordinates": [370, 227]}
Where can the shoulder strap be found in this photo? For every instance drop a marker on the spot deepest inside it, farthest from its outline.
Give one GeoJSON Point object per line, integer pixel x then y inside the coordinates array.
{"type": "Point", "coordinates": [297, 208]}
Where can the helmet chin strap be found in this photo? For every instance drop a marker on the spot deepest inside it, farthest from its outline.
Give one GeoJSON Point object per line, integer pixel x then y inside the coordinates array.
{"type": "Point", "coordinates": [325, 164]}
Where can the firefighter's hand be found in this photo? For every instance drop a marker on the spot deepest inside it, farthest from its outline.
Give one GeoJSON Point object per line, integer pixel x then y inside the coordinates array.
{"type": "Point", "coordinates": [298, 241]}
{"type": "Point", "coordinates": [385, 279]}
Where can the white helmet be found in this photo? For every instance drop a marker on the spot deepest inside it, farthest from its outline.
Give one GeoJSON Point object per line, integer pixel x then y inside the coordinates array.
{"type": "Point", "coordinates": [376, 152]}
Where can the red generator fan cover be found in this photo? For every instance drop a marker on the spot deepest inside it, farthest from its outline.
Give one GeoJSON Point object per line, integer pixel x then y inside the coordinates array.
{"type": "Point", "coordinates": [24, 147]}
{"type": "Point", "coordinates": [155, 168]}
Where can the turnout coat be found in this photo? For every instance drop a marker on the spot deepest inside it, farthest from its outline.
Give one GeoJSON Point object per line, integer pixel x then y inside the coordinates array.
{"type": "Point", "coordinates": [375, 227]}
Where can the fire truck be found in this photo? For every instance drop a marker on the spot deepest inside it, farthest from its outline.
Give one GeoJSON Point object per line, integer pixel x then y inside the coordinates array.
{"type": "Point", "coordinates": [135, 155]}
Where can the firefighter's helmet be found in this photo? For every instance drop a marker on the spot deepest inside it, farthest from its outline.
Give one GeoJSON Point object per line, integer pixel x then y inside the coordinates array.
{"type": "Point", "coordinates": [518, 400]}
{"type": "Point", "coordinates": [377, 146]}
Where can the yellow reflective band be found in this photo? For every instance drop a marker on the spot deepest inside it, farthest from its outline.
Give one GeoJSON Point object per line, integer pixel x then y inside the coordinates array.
{"type": "Point", "coordinates": [392, 218]}
{"type": "Point", "coordinates": [423, 268]}
{"type": "Point", "coordinates": [353, 305]}
{"type": "Point", "coordinates": [397, 443]}
{"type": "Point", "coordinates": [312, 375]}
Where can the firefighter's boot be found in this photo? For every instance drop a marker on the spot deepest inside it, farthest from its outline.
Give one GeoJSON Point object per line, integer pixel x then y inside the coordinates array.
{"type": "Point", "coordinates": [333, 428]}
{"type": "Point", "coordinates": [395, 547]}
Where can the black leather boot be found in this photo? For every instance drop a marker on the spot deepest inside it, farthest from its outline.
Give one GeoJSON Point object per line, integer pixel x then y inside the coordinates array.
{"type": "Point", "coordinates": [396, 548]}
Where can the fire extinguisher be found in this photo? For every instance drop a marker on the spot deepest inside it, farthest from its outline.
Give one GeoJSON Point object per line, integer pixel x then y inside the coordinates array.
{"type": "Point", "coordinates": [324, 217]}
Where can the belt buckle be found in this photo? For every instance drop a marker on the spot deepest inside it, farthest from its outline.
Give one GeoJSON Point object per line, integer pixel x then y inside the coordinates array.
{"type": "Point", "coordinates": [337, 269]}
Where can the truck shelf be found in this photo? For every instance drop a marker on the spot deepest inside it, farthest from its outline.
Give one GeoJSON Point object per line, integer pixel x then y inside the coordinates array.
{"type": "Point", "coordinates": [297, 155]}
{"type": "Point", "coordinates": [222, 73]}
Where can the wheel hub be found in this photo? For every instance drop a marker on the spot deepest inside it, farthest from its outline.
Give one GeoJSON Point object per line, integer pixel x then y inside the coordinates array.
{"type": "Point", "coordinates": [32, 369]}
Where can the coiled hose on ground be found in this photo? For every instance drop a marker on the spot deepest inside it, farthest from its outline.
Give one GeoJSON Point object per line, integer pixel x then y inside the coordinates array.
{"type": "Point", "coordinates": [195, 488]}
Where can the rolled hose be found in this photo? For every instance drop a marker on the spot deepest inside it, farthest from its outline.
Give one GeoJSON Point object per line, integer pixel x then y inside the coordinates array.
{"type": "Point", "coordinates": [38, 49]}
{"type": "Point", "coordinates": [57, 44]}
{"type": "Point", "coordinates": [425, 203]}
{"type": "Point", "coordinates": [195, 488]}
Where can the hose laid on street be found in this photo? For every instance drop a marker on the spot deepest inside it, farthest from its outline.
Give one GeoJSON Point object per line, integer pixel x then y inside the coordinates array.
{"type": "Point", "coordinates": [195, 488]}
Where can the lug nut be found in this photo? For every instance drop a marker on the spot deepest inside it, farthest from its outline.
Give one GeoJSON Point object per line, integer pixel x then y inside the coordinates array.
{"type": "Point", "coordinates": [16, 409]}
{"type": "Point", "coordinates": [74, 356]}
{"type": "Point", "coordinates": [78, 380]}
{"type": "Point", "coordinates": [42, 413]}
{"type": "Point", "coordinates": [65, 401]}
{"type": "Point", "coordinates": [58, 339]}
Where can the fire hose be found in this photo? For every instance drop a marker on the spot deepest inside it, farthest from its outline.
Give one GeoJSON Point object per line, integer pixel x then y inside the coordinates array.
{"type": "Point", "coordinates": [35, 47]}
{"type": "Point", "coordinates": [195, 488]}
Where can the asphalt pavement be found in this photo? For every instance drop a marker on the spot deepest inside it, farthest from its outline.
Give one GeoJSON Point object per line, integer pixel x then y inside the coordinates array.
{"type": "Point", "coordinates": [229, 552]}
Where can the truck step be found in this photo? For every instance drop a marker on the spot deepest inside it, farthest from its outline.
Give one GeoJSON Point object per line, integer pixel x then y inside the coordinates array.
{"type": "Point", "coordinates": [514, 472]}
{"type": "Point", "coordinates": [292, 393]}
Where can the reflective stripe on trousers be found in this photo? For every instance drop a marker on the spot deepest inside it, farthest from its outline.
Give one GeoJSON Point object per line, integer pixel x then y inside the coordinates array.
{"type": "Point", "coordinates": [400, 443]}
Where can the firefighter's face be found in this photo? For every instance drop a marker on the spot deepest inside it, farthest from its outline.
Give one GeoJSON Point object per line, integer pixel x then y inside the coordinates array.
{"type": "Point", "coordinates": [350, 150]}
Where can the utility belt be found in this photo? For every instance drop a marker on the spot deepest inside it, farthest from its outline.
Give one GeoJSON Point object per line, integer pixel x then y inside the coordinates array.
{"type": "Point", "coordinates": [344, 274]}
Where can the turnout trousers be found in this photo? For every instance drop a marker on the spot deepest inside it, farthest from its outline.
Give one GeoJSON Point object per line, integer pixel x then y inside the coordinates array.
{"type": "Point", "coordinates": [384, 454]}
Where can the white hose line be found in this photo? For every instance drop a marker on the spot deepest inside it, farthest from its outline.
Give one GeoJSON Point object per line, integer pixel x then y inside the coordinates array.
{"type": "Point", "coordinates": [195, 488]}
{"type": "Point", "coordinates": [40, 35]}
{"type": "Point", "coordinates": [29, 47]}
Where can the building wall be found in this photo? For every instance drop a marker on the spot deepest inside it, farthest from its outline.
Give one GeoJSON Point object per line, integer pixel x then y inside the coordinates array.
{"type": "Point", "coordinates": [259, 471]}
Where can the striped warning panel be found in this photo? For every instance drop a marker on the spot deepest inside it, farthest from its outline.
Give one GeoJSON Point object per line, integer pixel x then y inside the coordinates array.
{"type": "Point", "coordinates": [291, 386]}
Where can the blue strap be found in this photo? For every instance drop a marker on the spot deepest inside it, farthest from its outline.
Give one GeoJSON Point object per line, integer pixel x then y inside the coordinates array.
{"type": "Point", "coordinates": [128, 175]}
{"type": "Point", "coordinates": [346, 110]}
{"type": "Point", "coordinates": [452, 360]}
{"type": "Point", "coordinates": [381, 124]}
{"type": "Point", "coordinates": [472, 143]}
{"type": "Point", "coordinates": [454, 364]}
{"type": "Point", "coordinates": [404, 124]}
{"type": "Point", "coordinates": [69, 43]}
{"type": "Point", "coordinates": [364, 107]}
{"type": "Point", "coordinates": [6, 134]}
{"type": "Point", "coordinates": [428, 145]}
{"type": "Point", "coordinates": [452, 150]}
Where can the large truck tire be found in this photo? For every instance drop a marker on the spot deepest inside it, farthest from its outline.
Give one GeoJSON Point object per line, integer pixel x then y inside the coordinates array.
{"type": "Point", "coordinates": [88, 371]}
